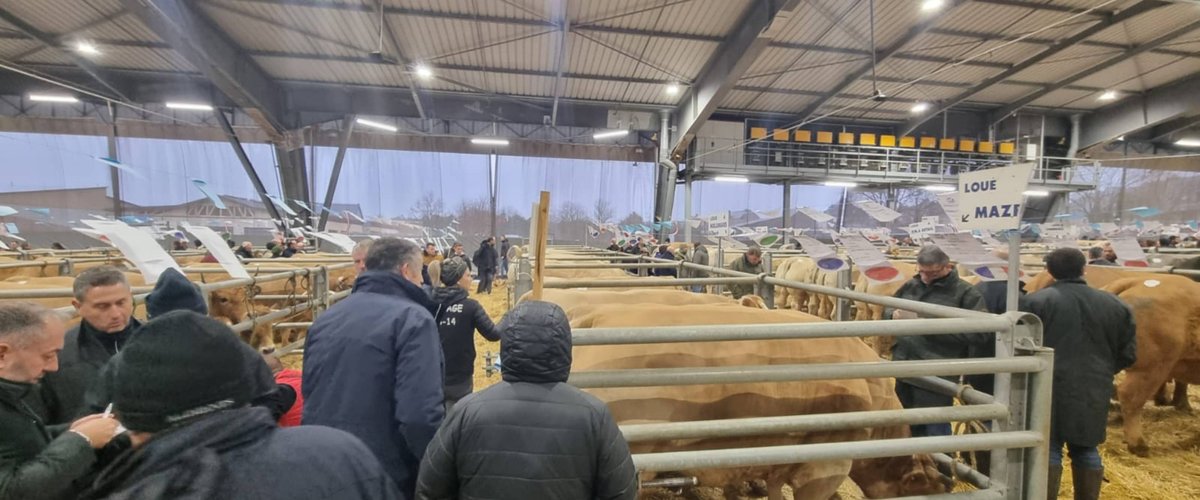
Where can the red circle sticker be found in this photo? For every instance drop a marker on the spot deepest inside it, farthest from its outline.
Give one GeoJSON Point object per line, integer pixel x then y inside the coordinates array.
{"type": "Point", "coordinates": [882, 273]}
{"type": "Point", "coordinates": [1136, 263]}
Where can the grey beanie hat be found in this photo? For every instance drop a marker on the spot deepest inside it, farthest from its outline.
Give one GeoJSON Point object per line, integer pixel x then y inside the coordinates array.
{"type": "Point", "coordinates": [453, 270]}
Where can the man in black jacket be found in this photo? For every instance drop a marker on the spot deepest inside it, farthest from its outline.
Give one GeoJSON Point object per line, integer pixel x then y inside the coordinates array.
{"type": "Point", "coordinates": [180, 389]}
{"type": "Point", "coordinates": [486, 261]}
{"type": "Point", "coordinates": [1093, 336]}
{"type": "Point", "coordinates": [532, 435]}
{"type": "Point", "coordinates": [104, 302]}
{"type": "Point", "coordinates": [36, 461]}
{"type": "Point", "coordinates": [935, 283]}
{"type": "Point", "coordinates": [459, 317]}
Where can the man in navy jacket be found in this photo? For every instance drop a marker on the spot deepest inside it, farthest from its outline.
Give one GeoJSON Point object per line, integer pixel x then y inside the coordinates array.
{"type": "Point", "coordinates": [373, 363]}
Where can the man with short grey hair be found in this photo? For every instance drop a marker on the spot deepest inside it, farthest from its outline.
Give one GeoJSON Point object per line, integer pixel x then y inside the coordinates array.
{"type": "Point", "coordinates": [36, 461]}
{"type": "Point", "coordinates": [105, 305]}
{"type": "Point", "coordinates": [373, 362]}
{"type": "Point", "coordinates": [938, 283]}
{"type": "Point", "coordinates": [359, 254]}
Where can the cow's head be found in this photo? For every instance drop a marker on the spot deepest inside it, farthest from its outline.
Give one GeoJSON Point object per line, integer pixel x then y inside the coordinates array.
{"type": "Point", "coordinates": [753, 301]}
{"type": "Point", "coordinates": [229, 305]}
{"type": "Point", "coordinates": [897, 476]}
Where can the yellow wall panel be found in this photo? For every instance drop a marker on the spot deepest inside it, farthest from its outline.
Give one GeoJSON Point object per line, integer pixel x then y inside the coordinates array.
{"type": "Point", "coordinates": [846, 138]}
{"type": "Point", "coordinates": [781, 134]}
{"type": "Point", "coordinates": [757, 132]}
{"type": "Point", "coordinates": [824, 137]}
{"type": "Point", "coordinates": [987, 147]}
{"type": "Point", "coordinates": [887, 141]}
{"type": "Point", "coordinates": [908, 141]}
{"type": "Point", "coordinates": [866, 139]}
{"type": "Point", "coordinates": [966, 145]}
{"type": "Point", "coordinates": [1007, 148]}
{"type": "Point", "coordinates": [928, 142]}
{"type": "Point", "coordinates": [803, 136]}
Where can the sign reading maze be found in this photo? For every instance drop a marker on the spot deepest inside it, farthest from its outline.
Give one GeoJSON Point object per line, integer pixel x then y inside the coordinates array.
{"type": "Point", "coordinates": [992, 199]}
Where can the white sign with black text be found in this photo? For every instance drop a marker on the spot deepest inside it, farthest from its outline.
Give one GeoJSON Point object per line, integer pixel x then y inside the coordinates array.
{"type": "Point", "coordinates": [992, 198]}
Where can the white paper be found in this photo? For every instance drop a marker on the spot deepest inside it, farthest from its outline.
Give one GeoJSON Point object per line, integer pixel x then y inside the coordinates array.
{"type": "Point", "coordinates": [992, 198]}
{"type": "Point", "coordinates": [932, 219]}
{"type": "Point", "coordinates": [877, 211]}
{"type": "Point", "coordinates": [861, 251]}
{"type": "Point", "coordinates": [1127, 249]}
{"type": "Point", "coordinates": [138, 247]}
{"type": "Point", "coordinates": [815, 214]}
{"type": "Point", "coordinates": [826, 258]}
{"type": "Point", "coordinates": [921, 229]}
{"type": "Point", "coordinates": [339, 240]}
{"type": "Point", "coordinates": [219, 249]}
{"type": "Point", "coordinates": [949, 203]}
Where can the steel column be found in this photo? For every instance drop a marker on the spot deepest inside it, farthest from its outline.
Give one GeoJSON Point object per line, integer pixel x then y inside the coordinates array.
{"type": "Point", "coordinates": [343, 144]}
{"type": "Point", "coordinates": [232, 137]}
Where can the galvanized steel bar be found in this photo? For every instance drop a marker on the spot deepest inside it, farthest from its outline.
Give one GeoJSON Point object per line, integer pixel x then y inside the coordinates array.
{"type": "Point", "coordinates": [817, 330]}
{"type": "Point", "coordinates": [618, 265]}
{"type": "Point", "coordinates": [658, 377]}
{"type": "Point", "coordinates": [908, 305]}
{"type": "Point", "coordinates": [1037, 459]}
{"type": "Point", "coordinates": [272, 316]}
{"type": "Point", "coordinates": [939, 385]}
{"type": "Point", "coordinates": [963, 471]}
{"type": "Point", "coordinates": [638, 283]}
{"type": "Point", "coordinates": [742, 427]}
{"type": "Point", "coordinates": [54, 293]}
{"type": "Point", "coordinates": [623, 256]}
{"type": "Point", "coordinates": [819, 452]}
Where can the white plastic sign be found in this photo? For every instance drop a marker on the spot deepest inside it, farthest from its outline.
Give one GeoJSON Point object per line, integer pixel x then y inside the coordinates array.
{"type": "Point", "coordinates": [339, 240]}
{"type": "Point", "coordinates": [877, 211]}
{"type": "Point", "coordinates": [869, 259]}
{"type": "Point", "coordinates": [966, 250]}
{"type": "Point", "coordinates": [219, 249]}
{"type": "Point", "coordinates": [815, 214]}
{"type": "Point", "coordinates": [992, 198]}
{"type": "Point", "coordinates": [949, 203]}
{"type": "Point", "coordinates": [826, 258]}
{"type": "Point", "coordinates": [1128, 251]}
{"type": "Point", "coordinates": [138, 247]}
{"type": "Point", "coordinates": [921, 229]}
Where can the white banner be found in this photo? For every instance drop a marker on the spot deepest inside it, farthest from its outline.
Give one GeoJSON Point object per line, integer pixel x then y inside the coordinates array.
{"type": "Point", "coordinates": [137, 246]}
{"type": "Point", "coordinates": [815, 214]}
{"type": "Point", "coordinates": [870, 261]}
{"type": "Point", "coordinates": [877, 211]}
{"type": "Point", "coordinates": [219, 249]}
{"type": "Point", "coordinates": [337, 239]}
{"type": "Point", "coordinates": [966, 250]}
{"type": "Point", "coordinates": [1129, 252]}
{"type": "Point", "coordinates": [826, 258]}
{"type": "Point", "coordinates": [992, 198]}
{"type": "Point", "coordinates": [949, 203]}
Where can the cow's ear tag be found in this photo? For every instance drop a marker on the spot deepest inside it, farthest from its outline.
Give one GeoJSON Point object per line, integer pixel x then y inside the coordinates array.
{"type": "Point", "coordinates": [1151, 283]}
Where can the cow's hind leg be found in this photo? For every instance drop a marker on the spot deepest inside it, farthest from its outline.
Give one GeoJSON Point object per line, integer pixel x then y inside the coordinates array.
{"type": "Point", "coordinates": [1181, 402]}
{"type": "Point", "coordinates": [1138, 388]}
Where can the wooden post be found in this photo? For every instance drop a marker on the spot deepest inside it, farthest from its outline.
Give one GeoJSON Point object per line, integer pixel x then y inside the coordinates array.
{"type": "Point", "coordinates": [543, 226]}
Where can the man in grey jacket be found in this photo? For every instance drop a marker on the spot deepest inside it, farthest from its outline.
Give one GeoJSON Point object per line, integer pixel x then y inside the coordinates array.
{"type": "Point", "coordinates": [700, 258]}
{"type": "Point", "coordinates": [532, 435]}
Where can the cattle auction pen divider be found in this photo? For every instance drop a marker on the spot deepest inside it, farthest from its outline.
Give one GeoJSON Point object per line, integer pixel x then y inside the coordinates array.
{"type": "Point", "coordinates": [317, 299]}
{"type": "Point", "coordinates": [1019, 411]}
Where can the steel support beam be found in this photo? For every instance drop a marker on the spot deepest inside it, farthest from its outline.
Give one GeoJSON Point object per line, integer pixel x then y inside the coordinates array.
{"type": "Point", "coordinates": [293, 176]}
{"type": "Point", "coordinates": [1165, 132]}
{"type": "Point", "coordinates": [881, 56]}
{"type": "Point", "coordinates": [114, 172]}
{"type": "Point", "coordinates": [343, 144]}
{"type": "Point", "coordinates": [1060, 46]}
{"type": "Point", "coordinates": [232, 137]}
{"type": "Point", "coordinates": [1137, 113]}
{"type": "Point", "coordinates": [564, 35]}
{"type": "Point", "coordinates": [49, 40]}
{"type": "Point", "coordinates": [1107, 63]}
{"type": "Point", "coordinates": [755, 30]}
{"type": "Point", "coordinates": [195, 38]}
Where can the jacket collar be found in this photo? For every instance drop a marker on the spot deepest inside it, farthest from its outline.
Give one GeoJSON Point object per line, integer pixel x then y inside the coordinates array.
{"type": "Point", "coordinates": [449, 294]}
{"type": "Point", "coordinates": [93, 337]}
{"type": "Point", "coordinates": [389, 283]}
{"type": "Point", "coordinates": [942, 282]}
{"type": "Point", "coordinates": [12, 391]}
{"type": "Point", "coordinates": [1076, 281]}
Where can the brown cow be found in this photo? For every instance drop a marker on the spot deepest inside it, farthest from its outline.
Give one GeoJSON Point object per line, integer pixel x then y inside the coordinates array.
{"type": "Point", "coordinates": [1167, 311]}
{"type": "Point", "coordinates": [899, 476]}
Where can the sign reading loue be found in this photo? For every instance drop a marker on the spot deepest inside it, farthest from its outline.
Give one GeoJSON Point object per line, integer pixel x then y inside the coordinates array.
{"type": "Point", "coordinates": [992, 199]}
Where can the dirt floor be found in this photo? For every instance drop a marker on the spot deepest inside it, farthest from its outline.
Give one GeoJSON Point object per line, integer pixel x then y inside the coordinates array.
{"type": "Point", "coordinates": [1171, 473]}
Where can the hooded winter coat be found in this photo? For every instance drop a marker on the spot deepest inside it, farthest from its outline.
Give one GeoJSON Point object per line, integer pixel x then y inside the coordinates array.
{"type": "Point", "coordinates": [229, 453]}
{"type": "Point", "coordinates": [459, 317]}
{"type": "Point", "coordinates": [531, 435]}
{"type": "Point", "coordinates": [373, 368]}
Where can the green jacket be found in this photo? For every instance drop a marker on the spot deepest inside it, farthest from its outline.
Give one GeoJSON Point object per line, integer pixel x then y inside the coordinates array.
{"type": "Point", "coordinates": [78, 372]}
{"type": "Point", "coordinates": [744, 266]}
{"type": "Point", "coordinates": [36, 462]}
{"type": "Point", "coordinates": [949, 291]}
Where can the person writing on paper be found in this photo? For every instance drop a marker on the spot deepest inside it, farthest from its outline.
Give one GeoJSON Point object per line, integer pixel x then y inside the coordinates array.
{"type": "Point", "coordinates": [37, 461]}
{"type": "Point", "coordinates": [104, 302]}
{"type": "Point", "coordinates": [937, 283]}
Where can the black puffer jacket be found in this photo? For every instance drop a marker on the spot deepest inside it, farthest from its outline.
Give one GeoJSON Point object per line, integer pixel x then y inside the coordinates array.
{"type": "Point", "coordinates": [532, 435]}
{"type": "Point", "coordinates": [458, 319]}
{"type": "Point", "coordinates": [230, 453]}
{"type": "Point", "coordinates": [85, 351]}
{"type": "Point", "coordinates": [949, 291]}
{"type": "Point", "coordinates": [36, 462]}
{"type": "Point", "coordinates": [1093, 336]}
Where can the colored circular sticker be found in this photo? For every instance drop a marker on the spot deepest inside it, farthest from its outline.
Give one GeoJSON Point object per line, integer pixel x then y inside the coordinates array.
{"type": "Point", "coordinates": [984, 272]}
{"type": "Point", "coordinates": [1136, 263]}
{"type": "Point", "coordinates": [882, 273]}
{"type": "Point", "coordinates": [767, 241]}
{"type": "Point", "coordinates": [1151, 283]}
{"type": "Point", "coordinates": [831, 263]}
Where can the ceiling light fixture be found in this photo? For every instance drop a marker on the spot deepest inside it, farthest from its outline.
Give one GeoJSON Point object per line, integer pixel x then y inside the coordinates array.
{"type": "Point", "coordinates": [489, 141]}
{"type": "Point", "coordinates": [730, 178]}
{"type": "Point", "coordinates": [1036, 193]}
{"type": "Point", "coordinates": [52, 98]}
{"type": "Point", "coordinates": [424, 72]}
{"type": "Point", "coordinates": [920, 107]}
{"type": "Point", "coordinates": [610, 134]}
{"type": "Point", "coordinates": [1188, 143]}
{"type": "Point", "coordinates": [932, 5]}
{"type": "Point", "coordinates": [841, 184]}
{"type": "Point", "coordinates": [1108, 95]}
{"type": "Point", "coordinates": [189, 106]}
{"type": "Point", "coordinates": [375, 124]}
{"type": "Point", "coordinates": [87, 48]}
{"type": "Point", "coordinates": [939, 188]}
{"type": "Point", "coordinates": [673, 89]}
{"type": "Point", "coordinates": [1121, 138]}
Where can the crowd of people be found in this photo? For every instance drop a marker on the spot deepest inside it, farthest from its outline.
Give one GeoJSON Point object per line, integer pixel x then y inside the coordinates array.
{"type": "Point", "coordinates": [178, 406]}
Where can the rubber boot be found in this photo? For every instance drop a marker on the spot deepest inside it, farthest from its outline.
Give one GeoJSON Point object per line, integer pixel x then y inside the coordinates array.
{"type": "Point", "coordinates": [1087, 483]}
{"type": "Point", "coordinates": [1052, 482]}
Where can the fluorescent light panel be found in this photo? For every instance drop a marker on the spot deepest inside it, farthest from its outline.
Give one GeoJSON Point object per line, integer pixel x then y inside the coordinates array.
{"type": "Point", "coordinates": [1036, 193]}
{"type": "Point", "coordinates": [375, 124]}
{"type": "Point", "coordinates": [86, 48]}
{"type": "Point", "coordinates": [424, 71]}
{"type": "Point", "coordinates": [730, 178]}
{"type": "Point", "coordinates": [673, 89]}
{"type": "Point", "coordinates": [939, 187]}
{"type": "Point", "coordinates": [191, 106]}
{"type": "Point", "coordinates": [841, 184]}
{"type": "Point", "coordinates": [610, 134]}
{"type": "Point", "coordinates": [489, 141]}
{"type": "Point", "coordinates": [52, 98]}
{"type": "Point", "coordinates": [931, 5]}
{"type": "Point", "coordinates": [1188, 143]}
{"type": "Point", "coordinates": [1109, 95]}
{"type": "Point", "coordinates": [920, 107]}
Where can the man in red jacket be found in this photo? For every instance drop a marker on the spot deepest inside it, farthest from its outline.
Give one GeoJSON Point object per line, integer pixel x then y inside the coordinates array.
{"type": "Point", "coordinates": [287, 377]}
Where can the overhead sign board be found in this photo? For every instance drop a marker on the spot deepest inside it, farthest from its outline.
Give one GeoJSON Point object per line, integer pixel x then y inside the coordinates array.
{"type": "Point", "coordinates": [877, 211]}
{"type": "Point", "coordinates": [815, 214]}
{"type": "Point", "coordinates": [992, 199]}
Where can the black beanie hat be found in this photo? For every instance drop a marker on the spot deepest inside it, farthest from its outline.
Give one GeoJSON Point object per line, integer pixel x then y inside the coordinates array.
{"type": "Point", "coordinates": [453, 270]}
{"type": "Point", "coordinates": [180, 367]}
{"type": "Point", "coordinates": [173, 292]}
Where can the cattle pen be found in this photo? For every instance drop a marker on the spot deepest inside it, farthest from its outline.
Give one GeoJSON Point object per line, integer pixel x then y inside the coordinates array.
{"type": "Point", "coordinates": [1019, 411]}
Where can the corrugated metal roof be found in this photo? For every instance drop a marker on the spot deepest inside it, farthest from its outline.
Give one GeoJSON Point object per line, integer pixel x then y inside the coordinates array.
{"type": "Point", "coordinates": [806, 25]}
{"type": "Point", "coordinates": [1182, 69]}
{"type": "Point", "coordinates": [1063, 97]}
{"type": "Point", "coordinates": [738, 99]}
{"type": "Point", "coordinates": [960, 48]}
{"type": "Point", "coordinates": [521, 9]}
{"type": "Point", "coordinates": [1150, 25]}
{"type": "Point", "coordinates": [10, 48]}
{"type": "Point", "coordinates": [1002, 93]}
{"type": "Point", "coordinates": [259, 34]}
{"type": "Point", "coordinates": [702, 17]}
{"type": "Point", "coordinates": [780, 103]}
{"type": "Point", "coordinates": [61, 16]}
{"type": "Point", "coordinates": [806, 74]}
{"type": "Point", "coordinates": [120, 57]}
{"type": "Point", "coordinates": [610, 54]}
{"type": "Point", "coordinates": [1066, 63]}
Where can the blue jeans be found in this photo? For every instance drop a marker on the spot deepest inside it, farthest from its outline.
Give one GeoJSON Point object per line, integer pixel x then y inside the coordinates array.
{"type": "Point", "coordinates": [1082, 457]}
{"type": "Point", "coordinates": [915, 397]}
{"type": "Point", "coordinates": [698, 288]}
